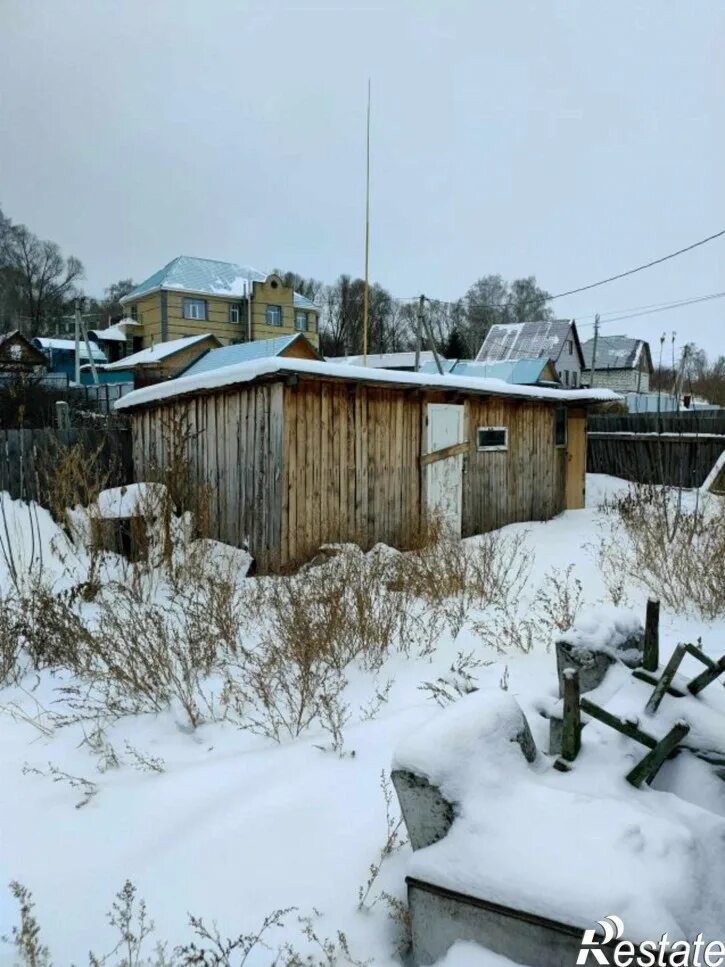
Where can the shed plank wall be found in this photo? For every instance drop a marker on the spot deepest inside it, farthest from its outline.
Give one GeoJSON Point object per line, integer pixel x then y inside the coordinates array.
{"type": "Point", "coordinates": [292, 467]}
{"type": "Point", "coordinates": [525, 482]}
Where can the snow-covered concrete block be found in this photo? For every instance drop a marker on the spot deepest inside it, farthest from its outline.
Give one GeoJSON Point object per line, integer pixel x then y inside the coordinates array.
{"type": "Point", "coordinates": [428, 766]}
{"type": "Point", "coordinates": [597, 639]}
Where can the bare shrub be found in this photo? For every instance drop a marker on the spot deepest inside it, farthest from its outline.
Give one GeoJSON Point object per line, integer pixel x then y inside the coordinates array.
{"type": "Point", "coordinates": [505, 632]}
{"type": "Point", "coordinates": [134, 929]}
{"type": "Point", "coordinates": [312, 626]}
{"type": "Point", "coordinates": [459, 681]}
{"type": "Point", "coordinates": [393, 841]}
{"type": "Point", "coordinates": [676, 550]}
{"type": "Point", "coordinates": [454, 577]}
{"type": "Point", "coordinates": [558, 600]}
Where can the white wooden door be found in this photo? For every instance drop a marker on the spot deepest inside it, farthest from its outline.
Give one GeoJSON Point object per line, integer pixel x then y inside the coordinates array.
{"type": "Point", "coordinates": [444, 482]}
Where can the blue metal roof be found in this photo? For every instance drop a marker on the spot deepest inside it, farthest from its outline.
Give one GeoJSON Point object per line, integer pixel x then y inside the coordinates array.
{"type": "Point", "coordinates": [243, 352]}
{"type": "Point", "coordinates": [522, 372]}
{"type": "Point", "coordinates": [206, 277]}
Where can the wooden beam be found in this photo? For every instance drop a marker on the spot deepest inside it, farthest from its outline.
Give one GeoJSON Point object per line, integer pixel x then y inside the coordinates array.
{"type": "Point", "coordinates": [647, 769]}
{"type": "Point", "coordinates": [663, 684]}
{"type": "Point", "coordinates": [644, 676]}
{"type": "Point", "coordinates": [436, 455]}
{"type": "Point", "coordinates": [625, 726]}
{"type": "Point", "coordinates": [571, 739]}
{"type": "Point", "coordinates": [701, 656]}
{"type": "Point", "coordinates": [706, 678]}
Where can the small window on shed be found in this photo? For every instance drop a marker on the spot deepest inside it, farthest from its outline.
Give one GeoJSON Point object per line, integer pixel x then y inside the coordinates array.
{"type": "Point", "coordinates": [560, 426]}
{"type": "Point", "coordinates": [493, 438]}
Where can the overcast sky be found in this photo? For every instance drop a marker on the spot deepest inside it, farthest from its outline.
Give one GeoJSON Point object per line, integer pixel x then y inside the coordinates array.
{"type": "Point", "coordinates": [569, 140]}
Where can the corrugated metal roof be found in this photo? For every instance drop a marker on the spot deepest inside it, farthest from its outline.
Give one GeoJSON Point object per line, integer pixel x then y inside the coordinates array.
{"type": "Point", "coordinates": [615, 352]}
{"type": "Point", "coordinates": [401, 360]}
{"type": "Point", "coordinates": [206, 277]}
{"type": "Point", "coordinates": [521, 372]}
{"type": "Point", "coordinates": [243, 352]}
{"type": "Point", "coordinates": [526, 340]}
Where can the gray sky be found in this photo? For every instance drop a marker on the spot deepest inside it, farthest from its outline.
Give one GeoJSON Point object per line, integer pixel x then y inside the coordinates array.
{"type": "Point", "coordinates": [570, 140]}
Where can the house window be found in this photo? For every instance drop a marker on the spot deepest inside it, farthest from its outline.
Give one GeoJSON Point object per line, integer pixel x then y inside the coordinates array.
{"type": "Point", "coordinates": [574, 379]}
{"type": "Point", "coordinates": [566, 377]}
{"type": "Point", "coordinates": [493, 438]}
{"type": "Point", "coordinates": [301, 321]}
{"type": "Point", "coordinates": [570, 345]}
{"type": "Point", "coordinates": [274, 315]}
{"type": "Point", "coordinates": [560, 417]}
{"type": "Point", "coordinates": [134, 312]}
{"type": "Point", "coordinates": [195, 309]}
{"type": "Point", "coordinates": [234, 314]}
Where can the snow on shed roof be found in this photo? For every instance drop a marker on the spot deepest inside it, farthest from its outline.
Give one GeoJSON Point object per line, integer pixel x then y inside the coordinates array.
{"type": "Point", "coordinates": [186, 273]}
{"type": "Point", "coordinates": [383, 360]}
{"type": "Point", "coordinates": [522, 372]}
{"type": "Point", "coordinates": [244, 352]}
{"type": "Point", "coordinates": [247, 372]}
{"type": "Point", "coordinates": [68, 345]}
{"type": "Point", "coordinates": [109, 334]}
{"type": "Point", "coordinates": [154, 354]}
{"type": "Point", "coordinates": [525, 340]}
{"type": "Point", "coordinates": [616, 352]}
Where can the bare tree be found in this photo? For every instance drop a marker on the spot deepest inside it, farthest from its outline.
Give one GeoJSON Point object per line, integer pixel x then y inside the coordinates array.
{"type": "Point", "coordinates": [44, 277]}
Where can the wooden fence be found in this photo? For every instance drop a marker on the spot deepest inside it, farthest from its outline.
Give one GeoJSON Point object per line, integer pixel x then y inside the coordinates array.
{"type": "Point", "coordinates": [26, 455]}
{"type": "Point", "coordinates": [678, 449]}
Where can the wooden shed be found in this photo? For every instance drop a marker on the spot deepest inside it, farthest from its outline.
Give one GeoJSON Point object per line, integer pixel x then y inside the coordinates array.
{"type": "Point", "coordinates": [299, 453]}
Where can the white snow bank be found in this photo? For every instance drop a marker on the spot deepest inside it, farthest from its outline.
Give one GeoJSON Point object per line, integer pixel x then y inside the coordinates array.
{"type": "Point", "coordinates": [604, 629]}
{"type": "Point", "coordinates": [573, 847]}
{"type": "Point", "coordinates": [246, 372]}
{"type": "Point", "coordinates": [137, 499]}
{"type": "Point", "coordinates": [466, 954]}
{"type": "Point", "coordinates": [446, 748]}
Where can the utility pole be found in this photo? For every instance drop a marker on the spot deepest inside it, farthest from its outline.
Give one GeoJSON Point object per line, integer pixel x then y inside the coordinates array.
{"type": "Point", "coordinates": [594, 351]}
{"type": "Point", "coordinates": [431, 340]}
{"type": "Point", "coordinates": [78, 342]}
{"type": "Point", "coordinates": [419, 332]}
{"type": "Point", "coordinates": [367, 237]}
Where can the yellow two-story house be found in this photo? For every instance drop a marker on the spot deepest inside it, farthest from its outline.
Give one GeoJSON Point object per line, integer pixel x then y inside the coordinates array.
{"type": "Point", "coordinates": [236, 303]}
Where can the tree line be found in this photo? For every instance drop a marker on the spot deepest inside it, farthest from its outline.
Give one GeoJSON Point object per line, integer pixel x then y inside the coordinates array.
{"type": "Point", "coordinates": [458, 327]}
{"type": "Point", "coordinates": [39, 286]}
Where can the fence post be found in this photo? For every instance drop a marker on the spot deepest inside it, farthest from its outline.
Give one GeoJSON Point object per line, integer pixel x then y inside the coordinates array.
{"type": "Point", "coordinates": [651, 655]}
{"type": "Point", "coordinates": [571, 731]}
{"type": "Point", "coordinates": [62, 415]}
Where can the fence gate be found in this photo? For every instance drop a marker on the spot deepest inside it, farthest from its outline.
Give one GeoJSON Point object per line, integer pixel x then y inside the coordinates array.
{"type": "Point", "coordinates": [444, 463]}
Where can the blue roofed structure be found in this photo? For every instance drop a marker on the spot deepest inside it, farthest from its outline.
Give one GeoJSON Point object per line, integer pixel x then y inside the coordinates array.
{"type": "Point", "coordinates": [293, 345]}
{"type": "Point", "coordinates": [521, 372]}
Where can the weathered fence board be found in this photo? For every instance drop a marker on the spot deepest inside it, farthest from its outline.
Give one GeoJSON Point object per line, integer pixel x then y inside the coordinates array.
{"type": "Point", "coordinates": [26, 454]}
{"type": "Point", "coordinates": [678, 449]}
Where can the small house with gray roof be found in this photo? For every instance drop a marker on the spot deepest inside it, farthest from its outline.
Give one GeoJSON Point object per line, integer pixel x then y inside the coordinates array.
{"type": "Point", "coordinates": [235, 303]}
{"type": "Point", "coordinates": [622, 363]}
{"type": "Point", "coordinates": [554, 339]}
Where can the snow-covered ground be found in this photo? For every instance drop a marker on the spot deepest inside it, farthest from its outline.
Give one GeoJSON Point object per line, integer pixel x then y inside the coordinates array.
{"type": "Point", "coordinates": [236, 826]}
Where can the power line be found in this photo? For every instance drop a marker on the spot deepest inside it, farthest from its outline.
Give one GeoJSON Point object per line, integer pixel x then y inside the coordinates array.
{"type": "Point", "coordinates": [647, 311]}
{"type": "Point", "coordinates": [590, 285]}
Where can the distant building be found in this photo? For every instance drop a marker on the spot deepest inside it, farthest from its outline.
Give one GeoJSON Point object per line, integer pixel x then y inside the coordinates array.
{"type": "Point", "coordinates": [61, 354]}
{"type": "Point", "coordinates": [554, 339]}
{"type": "Point", "coordinates": [287, 347]}
{"type": "Point", "coordinates": [235, 303]}
{"type": "Point", "coordinates": [19, 355]}
{"type": "Point", "coordinates": [622, 363]}
{"type": "Point", "coordinates": [158, 363]}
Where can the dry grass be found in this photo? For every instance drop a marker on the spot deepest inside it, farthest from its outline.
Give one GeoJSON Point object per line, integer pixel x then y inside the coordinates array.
{"type": "Point", "coordinates": [672, 546]}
